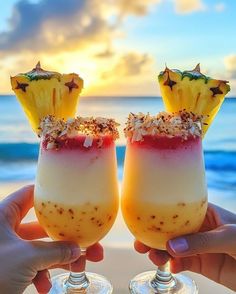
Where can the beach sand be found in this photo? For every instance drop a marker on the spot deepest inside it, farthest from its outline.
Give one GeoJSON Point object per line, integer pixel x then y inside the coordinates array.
{"type": "Point", "coordinates": [121, 262]}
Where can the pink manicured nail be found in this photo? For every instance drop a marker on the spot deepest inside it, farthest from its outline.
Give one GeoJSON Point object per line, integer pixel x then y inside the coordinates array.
{"type": "Point", "coordinates": [178, 245]}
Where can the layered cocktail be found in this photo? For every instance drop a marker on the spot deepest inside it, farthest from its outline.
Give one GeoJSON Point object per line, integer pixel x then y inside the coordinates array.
{"type": "Point", "coordinates": [76, 191]}
{"type": "Point", "coordinates": [164, 189]}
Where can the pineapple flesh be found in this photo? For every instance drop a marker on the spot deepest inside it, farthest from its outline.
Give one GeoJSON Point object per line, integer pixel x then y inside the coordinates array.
{"type": "Point", "coordinates": [194, 92]}
{"type": "Point", "coordinates": [43, 93]}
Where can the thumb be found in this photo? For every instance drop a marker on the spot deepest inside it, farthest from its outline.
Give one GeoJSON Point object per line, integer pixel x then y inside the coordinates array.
{"type": "Point", "coordinates": [47, 254]}
{"type": "Point", "coordinates": [220, 240]}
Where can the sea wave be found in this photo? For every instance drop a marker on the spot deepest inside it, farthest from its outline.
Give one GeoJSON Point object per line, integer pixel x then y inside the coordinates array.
{"type": "Point", "coordinates": [18, 162]}
{"type": "Point", "coordinates": [14, 152]}
{"type": "Point", "coordinates": [18, 151]}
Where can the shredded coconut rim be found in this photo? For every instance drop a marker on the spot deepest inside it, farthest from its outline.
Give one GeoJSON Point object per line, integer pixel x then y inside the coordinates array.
{"type": "Point", "coordinates": [53, 129]}
{"type": "Point", "coordinates": [182, 124]}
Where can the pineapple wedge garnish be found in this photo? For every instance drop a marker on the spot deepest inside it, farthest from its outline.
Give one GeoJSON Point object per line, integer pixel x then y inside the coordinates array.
{"type": "Point", "coordinates": [194, 92]}
{"type": "Point", "coordinates": [43, 93]}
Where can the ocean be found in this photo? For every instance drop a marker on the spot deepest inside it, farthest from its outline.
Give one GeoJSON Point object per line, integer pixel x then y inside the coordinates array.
{"type": "Point", "coordinates": [19, 145]}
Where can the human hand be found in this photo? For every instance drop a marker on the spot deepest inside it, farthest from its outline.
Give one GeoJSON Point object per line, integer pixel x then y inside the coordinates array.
{"type": "Point", "coordinates": [211, 252]}
{"type": "Point", "coordinates": [24, 260]}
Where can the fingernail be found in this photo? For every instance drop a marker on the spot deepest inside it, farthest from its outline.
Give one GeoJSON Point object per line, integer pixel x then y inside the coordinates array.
{"type": "Point", "coordinates": [75, 252]}
{"type": "Point", "coordinates": [178, 245]}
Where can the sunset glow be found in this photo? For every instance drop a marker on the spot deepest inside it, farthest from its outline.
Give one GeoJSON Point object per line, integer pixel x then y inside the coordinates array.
{"type": "Point", "coordinates": [118, 47]}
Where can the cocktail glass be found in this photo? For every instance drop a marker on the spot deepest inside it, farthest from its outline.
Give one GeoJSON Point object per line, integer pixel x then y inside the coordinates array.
{"type": "Point", "coordinates": [76, 199]}
{"type": "Point", "coordinates": [164, 196]}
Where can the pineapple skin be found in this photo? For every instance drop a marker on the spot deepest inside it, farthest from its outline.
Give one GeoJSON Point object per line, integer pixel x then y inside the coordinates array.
{"type": "Point", "coordinates": [194, 92]}
{"type": "Point", "coordinates": [41, 95]}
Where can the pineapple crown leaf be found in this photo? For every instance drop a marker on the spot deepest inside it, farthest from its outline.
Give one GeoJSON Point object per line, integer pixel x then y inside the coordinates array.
{"type": "Point", "coordinates": [197, 68]}
{"type": "Point", "coordinates": [38, 73]}
{"type": "Point", "coordinates": [195, 74]}
{"type": "Point", "coordinates": [166, 69]}
{"type": "Point", "coordinates": [38, 65]}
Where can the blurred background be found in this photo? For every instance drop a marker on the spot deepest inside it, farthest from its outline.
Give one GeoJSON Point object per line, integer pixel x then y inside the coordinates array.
{"type": "Point", "coordinates": [118, 47]}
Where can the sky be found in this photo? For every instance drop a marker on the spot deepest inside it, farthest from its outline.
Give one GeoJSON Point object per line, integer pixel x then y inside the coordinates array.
{"type": "Point", "coordinates": [118, 46]}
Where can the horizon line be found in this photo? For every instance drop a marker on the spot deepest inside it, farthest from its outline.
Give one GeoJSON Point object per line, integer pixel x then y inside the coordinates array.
{"type": "Point", "coordinates": [120, 96]}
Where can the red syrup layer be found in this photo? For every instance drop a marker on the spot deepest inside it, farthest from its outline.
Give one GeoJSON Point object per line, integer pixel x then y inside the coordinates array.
{"type": "Point", "coordinates": [77, 143]}
{"type": "Point", "coordinates": [167, 143]}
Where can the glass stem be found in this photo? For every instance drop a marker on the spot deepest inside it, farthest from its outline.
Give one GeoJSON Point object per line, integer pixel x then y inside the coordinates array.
{"type": "Point", "coordinates": [163, 280]}
{"type": "Point", "coordinates": [77, 281]}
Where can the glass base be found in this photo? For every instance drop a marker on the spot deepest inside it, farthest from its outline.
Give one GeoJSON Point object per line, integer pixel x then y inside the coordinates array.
{"type": "Point", "coordinates": [97, 285]}
{"type": "Point", "coordinates": [141, 284]}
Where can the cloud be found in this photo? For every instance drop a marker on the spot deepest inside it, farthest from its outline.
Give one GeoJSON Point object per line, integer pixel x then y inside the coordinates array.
{"type": "Point", "coordinates": [54, 25]}
{"type": "Point", "coordinates": [70, 35]}
{"type": "Point", "coordinates": [107, 53]}
{"type": "Point", "coordinates": [189, 6]}
{"type": "Point", "coordinates": [129, 65]}
{"type": "Point", "coordinates": [220, 7]}
{"type": "Point", "coordinates": [230, 65]}
{"type": "Point", "coordinates": [135, 7]}
{"type": "Point", "coordinates": [57, 25]}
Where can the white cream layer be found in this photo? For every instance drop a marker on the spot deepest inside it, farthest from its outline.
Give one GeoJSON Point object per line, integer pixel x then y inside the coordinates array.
{"type": "Point", "coordinates": [76, 177]}
{"type": "Point", "coordinates": [164, 176]}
